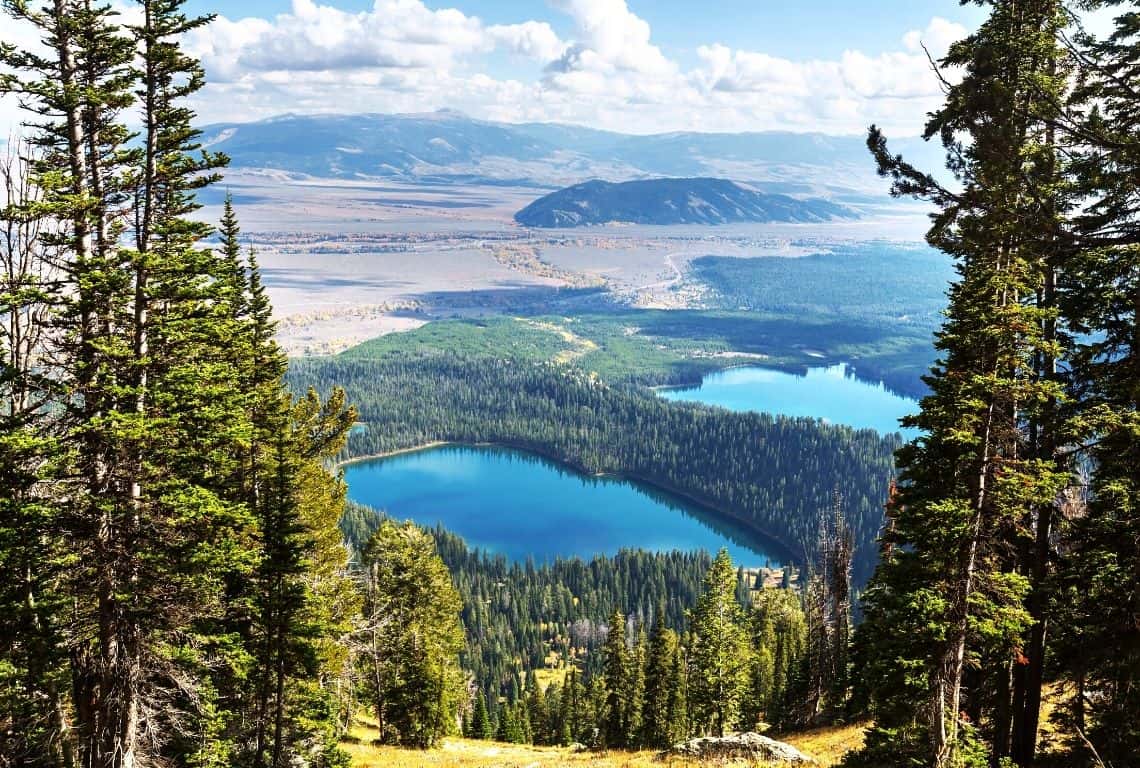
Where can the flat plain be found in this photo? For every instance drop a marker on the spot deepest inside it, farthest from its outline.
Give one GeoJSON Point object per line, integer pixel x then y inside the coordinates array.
{"type": "Point", "coordinates": [346, 261]}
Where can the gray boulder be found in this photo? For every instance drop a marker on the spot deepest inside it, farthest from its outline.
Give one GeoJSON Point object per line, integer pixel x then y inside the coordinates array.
{"type": "Point", "coordinates": [746, 746]}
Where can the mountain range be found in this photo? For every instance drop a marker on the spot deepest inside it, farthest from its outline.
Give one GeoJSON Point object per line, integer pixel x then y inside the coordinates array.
{"type": "Point", "coordinates": [672, 201]}
{"type": "Point", "coordinates": [448, 147]}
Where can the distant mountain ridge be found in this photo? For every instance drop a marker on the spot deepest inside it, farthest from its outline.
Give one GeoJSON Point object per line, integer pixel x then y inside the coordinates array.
{"type": "Point", "coordinates": [448, 147]}
{"type": "Point", "coordinates": [672, 201]}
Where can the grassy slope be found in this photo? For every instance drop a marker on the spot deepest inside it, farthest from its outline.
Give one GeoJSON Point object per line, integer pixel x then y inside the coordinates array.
{"type": "Point", "coordinates": [827, 745]}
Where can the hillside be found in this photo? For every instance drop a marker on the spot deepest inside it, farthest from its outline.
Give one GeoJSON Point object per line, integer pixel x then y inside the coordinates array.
{"type": "Point", "coordinates": [672, 201]}
{"type": "Point", "coordinates": [448, 147]}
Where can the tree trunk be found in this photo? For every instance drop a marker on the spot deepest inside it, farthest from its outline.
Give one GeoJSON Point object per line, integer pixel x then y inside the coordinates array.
{"type": "Point", "coordinates": [279, 695]}
{"type": "Point", "coordinates": [948, 691]}
{"type": "Point", "coordinates": [1002, 714]}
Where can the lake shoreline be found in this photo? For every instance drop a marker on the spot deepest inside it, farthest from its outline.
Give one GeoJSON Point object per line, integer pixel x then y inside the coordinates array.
{"type": "Point", "coordinates": [716, 512]}
{"type": "Point", "coordinates": [833, 395]}
{"type": "Point", "coordinates": [798, 369]}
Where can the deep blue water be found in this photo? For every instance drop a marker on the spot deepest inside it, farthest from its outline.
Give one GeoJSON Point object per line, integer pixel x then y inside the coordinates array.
{"type": "Point", "coordinates": [521, 505]}
{"type": "Point", "coordinates": [827, 393]}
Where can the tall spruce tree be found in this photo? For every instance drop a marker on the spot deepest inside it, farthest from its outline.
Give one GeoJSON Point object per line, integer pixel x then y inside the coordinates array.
{"type": "Point", "coordinates": [1100, 639]}
{"type": "Point", "coordinates": [33, 673]}
{"type": "Point", "coordinates": [661, 713]}
{"type": "Point", "coordinates": [616, 672]}
{"type": "Point", "coordinates": [962, 598]}
{"type": "Point", "coordinates": [414, 639]}
{"type": "Point", "coordinates": [156, 369]}
{"type": "Point", "coordinates": [718, 653]}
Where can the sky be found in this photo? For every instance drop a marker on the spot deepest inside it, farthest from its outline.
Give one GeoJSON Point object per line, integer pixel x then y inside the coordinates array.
{"type": "Point", "coordinates": [636, 66]}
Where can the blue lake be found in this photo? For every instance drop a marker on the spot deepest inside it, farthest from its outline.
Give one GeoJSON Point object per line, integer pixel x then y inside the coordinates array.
{"type": "Point", "coordinates": [520, 505]}
{"type": "Point", "coordinates": [830, 394]}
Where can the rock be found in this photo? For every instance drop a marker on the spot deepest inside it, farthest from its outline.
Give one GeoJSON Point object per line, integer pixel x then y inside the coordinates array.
{"type": "Point", "coordinates": [748, 746]}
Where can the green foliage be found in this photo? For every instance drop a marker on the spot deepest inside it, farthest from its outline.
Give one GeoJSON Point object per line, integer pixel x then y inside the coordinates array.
{"type": "Point", "coordinates": [616, 670]}
{"type": "Point", "coordinates": [180, 507]}
{"type": "Point", "coordinates": [779, 641]}
{"type": "Point", "coordinates": [414, 637]}
{"type": "Point", "coordinates": [956, 613]}
{"type": "Point", "coordinates": [1099, 596]}
{"type": "Point", "coordinates": [718, 653]}
{"type": "Point", "coordinates": [520, 617]}
{"type": "Point", "coordinates": [482, 726]}
{"type": "Point", "coordinates": [663, 711]}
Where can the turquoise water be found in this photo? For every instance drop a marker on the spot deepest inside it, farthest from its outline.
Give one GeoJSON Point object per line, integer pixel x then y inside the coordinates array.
{"type": "Point", "coordinates": [520, 505]}
{"type": "Point", "coordinates": [830, 394]}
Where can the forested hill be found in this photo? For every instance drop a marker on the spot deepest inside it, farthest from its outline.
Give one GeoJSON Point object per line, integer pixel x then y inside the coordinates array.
{"type": "Point", "coordinates": [772, 474]}
{"type": "Point", "coordinates": [672, 201]}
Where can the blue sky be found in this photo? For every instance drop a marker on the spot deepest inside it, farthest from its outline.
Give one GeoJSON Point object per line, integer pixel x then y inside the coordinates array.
{"type": "Point", "coordinates": [635, 66]}
{"type": "Point", "coordinates": [793, 28]}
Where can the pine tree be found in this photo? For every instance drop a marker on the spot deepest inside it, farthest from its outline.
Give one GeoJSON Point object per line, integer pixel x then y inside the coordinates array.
{"type": "Point", "coordinates": [414, 639]}
{"type": "Point", "coordinates": [718, 656]}
{"type": "Point", "coordinates": [965, 584]}
{"type": "Point", "coordinates": [536, 710]}
{"type": "Point", "coordinates": [635, 690]}
{"type": "Point", "coordinates": [616, 667]}
{"type": "Point", "coordinates": [779, 632]}
{"type": "Point", "coordinates": [554, 730]}
{"type": "Point", "coordinates": [506, 725]}
{"type": "Point", "coordinates": [481, 725]}
{"type": "Point", "coordinates": [661, 712]}
{"type": "Point", "coordinates": [199, 527]}
{"type": "Point", "coordinates": [1100, 638]}
{"type": "Point", "coordinates": [677, 702]}
{"type": "Point", "coordinates": [33, 681]}
{"type": "Point", "coordinates": [152, 403]}
{"type": "Point", "coordinates": [573, 717]}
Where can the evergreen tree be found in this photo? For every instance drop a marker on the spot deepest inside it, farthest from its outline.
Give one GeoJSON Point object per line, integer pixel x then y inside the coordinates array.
{"type": "Point", "coordinates": [481, 725]}
{"type": "Point", "coordinates": [149, 406]}
{"type": "Point", "coordinates": [635, 690]}
{"type": "Point", "coordinates": [33, 674]}
{"type": "Point", "coordinates": [661, 712]}
{"type": "Point", "coordinates": [779, 632]}
{"type": "Point", "coordinates": [414, 639]}
{"type": "Point", "coordinates": [718, 656]}
{"type": "Point", "coordinates": [962, 595]}
{"type": "Point", "coordinates": [1099, 638]}
{"type": "Point", "coordinates": [536, 710]}
{"type": "Point", "coordinates": [677, 702]}
{"type": "Point", "coordinates": [616, 668]}
{"type": "Point", "coordinates": [506, 725]}
{"type": "Point", "coordinates": [573, 701]}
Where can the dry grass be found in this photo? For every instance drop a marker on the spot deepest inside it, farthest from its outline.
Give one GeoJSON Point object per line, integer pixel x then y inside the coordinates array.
{"type": "Point", "coordinates": [826, 744]}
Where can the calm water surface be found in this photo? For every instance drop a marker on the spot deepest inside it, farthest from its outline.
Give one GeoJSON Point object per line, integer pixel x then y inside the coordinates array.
{"type": "Point", "coordinates": [521, 505]}
{"type": "Point", "coordinates": [827, 393]}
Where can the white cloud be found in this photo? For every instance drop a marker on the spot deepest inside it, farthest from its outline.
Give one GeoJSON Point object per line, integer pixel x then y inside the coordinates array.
{"type": "Point", "coordinates": [394, 34]}
{"type": "Point", "coordinates": [403, 56]}
{"type": "Point", "coordinates": [611, 39]}
{"type": "Point", "coordinates": [534, 39]}
{"type": "Point", "coordinates": [937, 38]}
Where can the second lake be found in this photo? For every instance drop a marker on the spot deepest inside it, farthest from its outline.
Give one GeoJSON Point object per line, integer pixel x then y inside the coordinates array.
{"type": "Point", "coordinates": [520, 505]}
{"type": "Point", "coordinates": [829, 393]}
